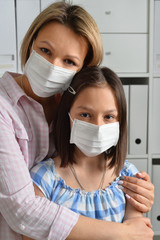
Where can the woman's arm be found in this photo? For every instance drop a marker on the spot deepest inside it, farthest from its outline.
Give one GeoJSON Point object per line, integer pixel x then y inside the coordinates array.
{"type": "Point", "coordinates": [26, 214]}
{"type": "Point", "coordinates": [38, 193]}
{"type": "Point", "coordinates": [87, 228]}
{"type": "Point", "coordinates": [102, 230]}
{"type": "Point", "coordinates": [141, 191]}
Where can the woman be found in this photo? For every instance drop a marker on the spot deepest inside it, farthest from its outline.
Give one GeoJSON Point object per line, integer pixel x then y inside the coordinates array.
{"type": "Point", "coordinates": [68, 38]}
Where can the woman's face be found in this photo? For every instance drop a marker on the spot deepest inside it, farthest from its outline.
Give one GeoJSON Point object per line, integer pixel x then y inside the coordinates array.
{"type": "Point", "coordinates": [96, 105]}
{"type": "Point", "coordinates": [61, 46]}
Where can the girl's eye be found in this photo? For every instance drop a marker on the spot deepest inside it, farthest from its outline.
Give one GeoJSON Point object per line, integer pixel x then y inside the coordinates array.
{"type": "Point", "coordinates": [45, 50]}
{"type": "Point", "coordinates": [70, 62]}
{"type": "Point", "coordinates": [85, 115]}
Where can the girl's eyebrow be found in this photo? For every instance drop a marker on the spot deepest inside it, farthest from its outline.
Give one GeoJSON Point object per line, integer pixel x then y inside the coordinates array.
{"type": "Point", "coordinates": [90, 108]}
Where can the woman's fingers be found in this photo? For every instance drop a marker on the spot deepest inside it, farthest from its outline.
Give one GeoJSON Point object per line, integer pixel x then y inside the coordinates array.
{"type": "Point", "coordinates": [141, 191]}
{"type": "Point", "coordinates": [143, 175]}
{"type": "Point", "coordinates": [141, 203]}
{"type": "Point", "coordinates": [139, 186]}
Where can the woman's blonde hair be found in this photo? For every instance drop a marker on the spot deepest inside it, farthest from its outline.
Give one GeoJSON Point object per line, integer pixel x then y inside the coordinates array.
{"type": "Point", "coordinates": [72, 16]}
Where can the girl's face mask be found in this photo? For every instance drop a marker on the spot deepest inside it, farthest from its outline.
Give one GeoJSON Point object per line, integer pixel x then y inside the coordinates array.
{"type": "Point", "coordinates": [92, 139]}
{"type": "Point", "coordinates": [45, 78]}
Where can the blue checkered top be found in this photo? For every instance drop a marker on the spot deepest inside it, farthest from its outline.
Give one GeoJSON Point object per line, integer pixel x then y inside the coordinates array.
{"type": "Point", "coordinates": [107, 204]}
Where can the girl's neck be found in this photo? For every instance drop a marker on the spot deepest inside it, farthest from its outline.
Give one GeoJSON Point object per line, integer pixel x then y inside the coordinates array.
{"type": "Point", "coordinates": [89, 163]}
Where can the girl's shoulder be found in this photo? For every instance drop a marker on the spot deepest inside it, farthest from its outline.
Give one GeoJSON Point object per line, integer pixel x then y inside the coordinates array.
{"type": "Point", "coordinates": [128, 169]}
{"type": "Point", "coordinates": [43, 175]}
{"type": "Point", "coordinates": [44, 169]}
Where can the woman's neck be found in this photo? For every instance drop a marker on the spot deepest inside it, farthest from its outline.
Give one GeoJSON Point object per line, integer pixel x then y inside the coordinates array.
{"type": "Point", "coordinates": [49, 104]}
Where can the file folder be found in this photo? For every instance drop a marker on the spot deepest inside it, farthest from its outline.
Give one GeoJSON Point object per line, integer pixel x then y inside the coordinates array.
{"type": "Point", "coordinates": [156, 117]}
{"type": "Point", "coordinates": [138, 119]}
{"type": "Point", "coordinates": [155, 214]}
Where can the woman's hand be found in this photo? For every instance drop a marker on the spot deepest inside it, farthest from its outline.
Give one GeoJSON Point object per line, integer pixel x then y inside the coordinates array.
{"type": "Point", "coordinates": [139, 191]}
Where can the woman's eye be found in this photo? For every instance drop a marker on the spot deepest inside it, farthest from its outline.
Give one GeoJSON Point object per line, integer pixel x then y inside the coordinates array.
{"type": "Point", "coordinates": [45, 50]}
{"type": "Point", "coordinates": [109, 117]}
{"type": "Point", "coordinates": [70, 62]}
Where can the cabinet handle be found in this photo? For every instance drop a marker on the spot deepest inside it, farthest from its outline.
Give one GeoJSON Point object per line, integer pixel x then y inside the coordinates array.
{"type": "Point", "coordinates": [107, 53]}
{"type": "Point", "coordinates": [156, 161]}
{"type": "Point", "coordinates": [138, 141]}
{"type": "Point", "coordinates": [107, 12]}
{"type": "Point", "coordinates": [8, 55]}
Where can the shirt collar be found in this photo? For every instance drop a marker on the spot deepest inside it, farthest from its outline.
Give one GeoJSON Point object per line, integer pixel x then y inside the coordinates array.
{"type": "Point", "coordinates": [13, 90]}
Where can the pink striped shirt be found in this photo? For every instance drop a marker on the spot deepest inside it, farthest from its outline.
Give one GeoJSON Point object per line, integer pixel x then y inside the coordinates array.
{"type": "Point", "coordinates": [24, 141]}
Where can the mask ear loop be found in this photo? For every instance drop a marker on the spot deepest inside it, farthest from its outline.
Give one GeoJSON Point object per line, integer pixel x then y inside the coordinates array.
{"type": "Point", "coordinates": [70, 117]}
{"type": "Point", "coordinates": [32, 46]}
{"type": "Point", "coordinates": [72, 91]}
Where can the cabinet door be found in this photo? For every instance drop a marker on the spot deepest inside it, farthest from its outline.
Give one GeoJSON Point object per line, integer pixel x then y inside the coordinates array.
{"type": "Point", "coordinates": [138, 114]}
{"type": "Point", "coordinates": [26, 13]}
{"type": "Point", "coordinates": [46, 3]}
{"type": "Point", "coordinates": [156, 116]}
{"type": "Point", "coordinates": [155, 214]}
{"type": "Point", "coordinates": [8, 37]}
{"type": "Point", "coordinates": [157, 37]}
{"type": "Point", "coordinates": [125, 53]}
{"type": "Point", "coordinates": [118, 15]}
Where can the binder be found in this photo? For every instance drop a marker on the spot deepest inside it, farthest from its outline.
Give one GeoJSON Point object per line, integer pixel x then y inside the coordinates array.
{"type": "Point", "coordinates": [155, 213]}
{"type": "Point", "coordinates": [126, 91]}
{"type": "Point", "coordinates": [138, 119]}
{"type": "Point", "coordinates": [156, 117]}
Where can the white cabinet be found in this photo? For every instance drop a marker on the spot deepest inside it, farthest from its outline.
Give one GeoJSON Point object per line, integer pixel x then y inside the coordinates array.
{"type": "Point", "coordinates": [26, 13]}
{"type": "Point", "coordinates": [8, 57]}
{"type": "Point", "coordinates": [124, 28]}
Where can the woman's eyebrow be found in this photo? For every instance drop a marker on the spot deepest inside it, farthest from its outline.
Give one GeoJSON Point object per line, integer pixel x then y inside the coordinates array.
{"type": "Point", "coordinates": [67, 56]}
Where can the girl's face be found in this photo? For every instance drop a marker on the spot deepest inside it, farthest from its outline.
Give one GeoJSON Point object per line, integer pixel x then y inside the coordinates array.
{"type": "Point", "coordinates": [61, 46]}
{"type": "Point", "coordinates": [96, 105]}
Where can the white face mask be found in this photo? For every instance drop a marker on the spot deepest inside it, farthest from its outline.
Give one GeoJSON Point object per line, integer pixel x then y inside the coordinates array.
{"type": "Point", "coordinates": [45, 78]}
{"type": "Point", "coordinates": [92, 139]}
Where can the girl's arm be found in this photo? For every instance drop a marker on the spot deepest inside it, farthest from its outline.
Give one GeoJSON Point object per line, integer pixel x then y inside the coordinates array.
{"type": "Point", "coordinates": [131, 212]}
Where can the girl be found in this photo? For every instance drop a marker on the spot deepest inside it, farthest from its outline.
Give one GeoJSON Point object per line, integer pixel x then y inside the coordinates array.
{"type": "Point", "coordinates": [90, 135]}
